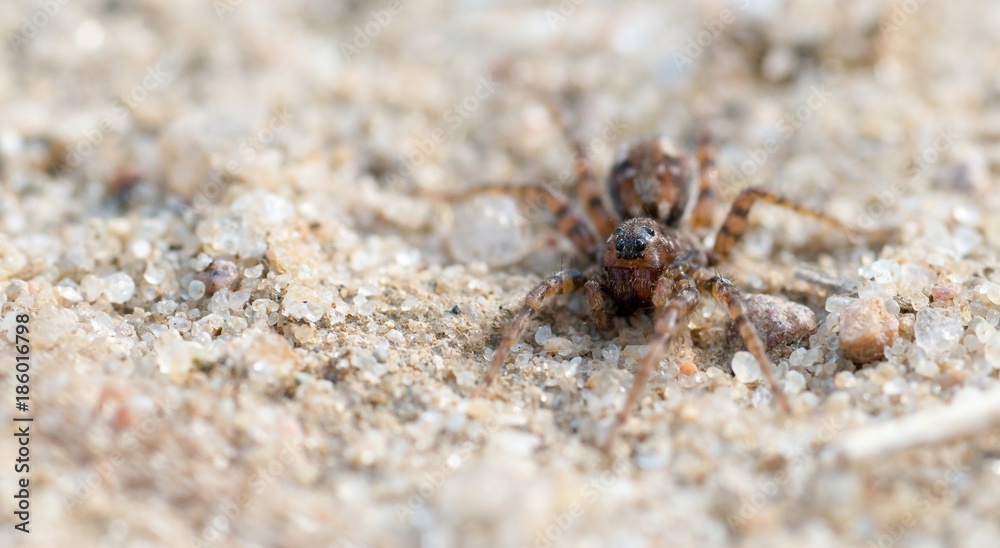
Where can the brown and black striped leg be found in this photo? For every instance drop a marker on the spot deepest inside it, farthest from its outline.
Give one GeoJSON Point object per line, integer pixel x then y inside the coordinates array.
{"type": "Point", "coordinates": [725, 292]}
{"type": "Point", "coordinates": [736, 221]}
{"type": "Point", "coordinates": [563, 282]}
{"type": "Point", "coordinates": [701, 216]}
{"type": "Point", "coordinates": [569, 221]}
{"type": "Point", "coordinates": [669, 313]}
{"type": "Point", "coordinates": [595, 297]}
{"type": "Point", "coordinates": [590, 193]}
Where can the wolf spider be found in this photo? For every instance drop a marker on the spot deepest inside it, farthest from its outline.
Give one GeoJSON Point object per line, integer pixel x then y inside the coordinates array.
{"type": "Point", "coordinates": [649, 259]}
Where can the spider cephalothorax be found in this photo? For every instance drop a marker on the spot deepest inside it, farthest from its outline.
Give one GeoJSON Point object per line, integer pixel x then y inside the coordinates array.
{"type": "Point", "coordinates": [649, 261]}
{"type": "Point", "coordinates": [637, 254]}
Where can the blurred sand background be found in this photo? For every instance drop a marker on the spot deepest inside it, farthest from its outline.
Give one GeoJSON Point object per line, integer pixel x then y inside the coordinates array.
{"type": "Point", "coordinates": [247, 330]}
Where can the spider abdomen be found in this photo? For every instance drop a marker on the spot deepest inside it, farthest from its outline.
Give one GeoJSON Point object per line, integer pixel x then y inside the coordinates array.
{"type": "Point", "coordinates": [650, 179]}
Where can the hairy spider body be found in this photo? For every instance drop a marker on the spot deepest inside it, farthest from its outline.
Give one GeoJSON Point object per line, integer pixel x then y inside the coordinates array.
{"type": "Point", "coordinates": [636, 257]}
{"type": "Point", "coordinates": [650, 179]}
{"type": "Point", "coordinates": [649, 261]}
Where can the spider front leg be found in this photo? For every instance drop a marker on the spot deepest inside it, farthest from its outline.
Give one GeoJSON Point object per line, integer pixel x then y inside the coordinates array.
{"type": "Point", "coordinates": [588, 191]}
{"type": "Point", "coordinates": [701, 215]}
{"type": "Point", "coordinates": [563, 282]}
{"type": "Point", "coordinates": [725, 292]}
{"type": "Point", "coordinates": [736, 221]}
{"type": "Point", "coordinates": [669, 313]}
{"type": "Point", "coordinates": [595, 298]}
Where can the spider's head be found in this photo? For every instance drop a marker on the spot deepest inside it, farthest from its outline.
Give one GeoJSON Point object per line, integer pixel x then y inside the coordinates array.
{"type": "Point", "coordinates": [631, 239]}
{"type": "Point", "coordinates": [631, 244]}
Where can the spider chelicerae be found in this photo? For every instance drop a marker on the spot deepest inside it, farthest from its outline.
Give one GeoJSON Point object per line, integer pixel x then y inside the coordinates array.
{"type": "Point", "coordinates": [652, 256]}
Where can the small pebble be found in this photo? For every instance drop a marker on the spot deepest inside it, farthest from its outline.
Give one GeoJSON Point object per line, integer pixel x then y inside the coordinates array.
{"type": "Point", "coordinates": [894, 387]}
{"type": "Point", "coordinates": [488, 230]}
{"type": "Point", "coordinates": [220, 275]}
{"type": "Point", "coordinates": [543, 334]}
{"type": "Point", "coordinates": [837, 303]}
{"type": "Point", "coordinates": [366, 308]}
{"type": "Point", "coordinates": [944, 292]}
{"type": "Point", "coordinates": [993, 293]}
{"type": "Point", "coordinates": [866, 328]}
{"type": "Point", "coordinates": [982, 330]}
{"type": "Point", "coordinates": [154, 275]}
{"type": "Point", "coordinates": [936, 332]}
{"type": "Point", "coordinates": [795, 382]}
{"type": "Point", "coordinates": [885, 271]}
{"type": "Point", "coordinates": [69, 293]}
{"type": "Point", "coordinates": [991, 351]}
{"type": "Point", "coordinates": [253, 272]}
{"type": "Point", "coordinates": [745, 367]}
{"type": "Point", "coordinates": [611, 354]}
{"type": "Point", "coordinates": [688, 368]}
{"type": "Point", "coordinates": [906, 322]}
{"type": "Point", "coordinates": [92, 286]}
{"type": "Point", "coordinates": [844, 380]}
{"type": "Point", "coordinates": [926, 368]}
{"type": "Point", "coordinates": [119, 287]}
{"type": "Point", "coordinates": [196, 289]}
{"type": "Point", "coordinates": [201, 261]}
{"type": "Point", "coordinates": [778, 320]}
{"type": "Point", "coordinates": [395, 336]}
{"type": "Point", "coordinates": [140, 249]}
{"type": "Point", "coordinates": [558, 345]}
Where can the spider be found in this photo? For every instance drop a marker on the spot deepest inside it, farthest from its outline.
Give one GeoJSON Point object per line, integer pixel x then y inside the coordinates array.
{"type": "Point", "coordinates": [650, 259]}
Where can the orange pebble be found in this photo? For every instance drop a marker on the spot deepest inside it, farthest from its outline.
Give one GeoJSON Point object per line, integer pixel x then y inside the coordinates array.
{"type": "Point", "coordinates": [944, 292]}
{"type": "Point", "coordinates": [688, 368]}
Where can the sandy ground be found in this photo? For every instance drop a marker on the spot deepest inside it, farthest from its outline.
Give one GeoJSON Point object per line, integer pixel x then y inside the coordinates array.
{"type": "Point", "coordinates": [247, 328]}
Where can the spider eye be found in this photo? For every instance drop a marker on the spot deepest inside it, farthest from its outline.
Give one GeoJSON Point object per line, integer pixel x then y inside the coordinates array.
{"type": "Point", "coordinates": [649, 231]}
{"type": "Point", "coordinates": [618, 231]}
